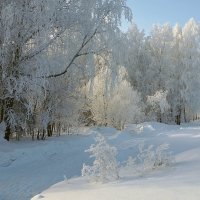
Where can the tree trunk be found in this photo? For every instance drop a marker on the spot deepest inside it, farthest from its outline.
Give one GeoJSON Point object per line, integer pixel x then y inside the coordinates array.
{"type": "Point", "coordinates": [49, 130]}
{"type": "Point", "coordinates": [9, 105]}
{"type": "Point", "coordinates": [38, 135]}
{"type": "Point", "coordinates": [159, 117]}
{"type": "Point", "coordinates": [7, 133]}
{"type": "Point", "coordinates": [59, 128]}
{"type": "Point", "coordinates": [184, 113]}
{"type": "Point", "coordinates": [43, 134]}
{"type": "Point", "coordinates": [178, 120]}
{"type": "Point", "coordinates": [2, 111]}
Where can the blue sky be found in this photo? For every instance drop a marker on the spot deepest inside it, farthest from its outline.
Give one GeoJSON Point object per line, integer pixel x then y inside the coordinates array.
{"type": "Point", "coordinates": [149, 12]}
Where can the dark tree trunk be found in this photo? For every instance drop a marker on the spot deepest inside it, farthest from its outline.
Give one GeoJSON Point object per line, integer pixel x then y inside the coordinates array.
{"type": "Point", "coordinates": [9, 105]}
{"type": "Point", "coordinates": [7, 133]}
{"type": "Point", "coordinates": [159, 117]}
{"type": "Point", "coordinates": [49, 130]}
{"type": "Point", "coordinates": [178, 120]}
{"type": "Point", "coordinates": [32, 133]}
{"type": "Point", "coordinates": [184, 113]}
{"type": "Point", "coordinates": [59, 128]}
{"type": "Point", "coordinates": [38, 135]}
{"type": "Point", "coordinates": [2, 111]}
{"type": "Point", "coordinates": [43, 134]}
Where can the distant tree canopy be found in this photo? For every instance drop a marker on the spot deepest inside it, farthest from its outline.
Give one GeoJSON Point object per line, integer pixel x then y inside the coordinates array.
{"type": "Point", "coordinates": [165, 65]}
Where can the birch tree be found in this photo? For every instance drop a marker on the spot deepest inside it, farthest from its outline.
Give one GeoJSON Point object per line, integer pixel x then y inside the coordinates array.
{"type": "Point", "coordinates": [33, 31]}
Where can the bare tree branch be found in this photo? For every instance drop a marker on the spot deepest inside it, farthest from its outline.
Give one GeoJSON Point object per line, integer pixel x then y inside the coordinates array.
{"type": "Point", "coordinates": [86, 40]}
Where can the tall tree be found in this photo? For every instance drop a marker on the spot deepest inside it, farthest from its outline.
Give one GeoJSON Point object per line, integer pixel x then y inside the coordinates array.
{"type": "Point", "coordinates": [33, 32]}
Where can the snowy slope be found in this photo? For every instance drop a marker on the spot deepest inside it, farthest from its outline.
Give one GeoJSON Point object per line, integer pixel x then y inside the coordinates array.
{"type": "Point", "coordinates": [27, 168]}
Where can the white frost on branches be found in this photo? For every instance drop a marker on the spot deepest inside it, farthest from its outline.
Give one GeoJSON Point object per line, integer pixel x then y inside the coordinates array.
{"type": "Point", "coordinates": [159, 99]}
{"type": "Point", "coordinates": [149, 158]}
{"type": "Point", "coordinates": [105, 166]}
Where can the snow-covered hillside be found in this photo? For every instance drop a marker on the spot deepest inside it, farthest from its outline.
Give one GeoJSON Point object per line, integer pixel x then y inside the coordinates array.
{"type": "Point", "coordinates": [28, 168]}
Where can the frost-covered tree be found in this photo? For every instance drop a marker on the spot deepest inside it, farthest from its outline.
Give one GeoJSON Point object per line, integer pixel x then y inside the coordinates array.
{"type": "Point", "coordinates": [41, 40]}
{"type": "Point", "coordinates": [191, 53]}
{"type": "Point", "coordinates": [137, 60]}
{"type": "Point", "coordinates": [158, 105]}
{"type": "Point", "coordinates": [124, 106]}
{"type": "Point", "coordinates": [113, 102]}
{"type": "Point", "coordinates": [160, 44]}
{"type": "Point", "coordinates": [183, 70]}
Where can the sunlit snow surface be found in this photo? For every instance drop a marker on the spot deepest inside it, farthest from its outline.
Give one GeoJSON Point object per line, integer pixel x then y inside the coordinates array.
{"type": "Point", "coordinates": [28, 168]}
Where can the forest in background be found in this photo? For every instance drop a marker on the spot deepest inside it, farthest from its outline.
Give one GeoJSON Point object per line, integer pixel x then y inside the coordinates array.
{"type": "Point", "coordinates": [66, 63]}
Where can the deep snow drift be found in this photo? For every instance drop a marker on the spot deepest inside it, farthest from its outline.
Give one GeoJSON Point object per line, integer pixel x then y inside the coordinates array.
{"type": "Point", "coordinates": [28, 168]}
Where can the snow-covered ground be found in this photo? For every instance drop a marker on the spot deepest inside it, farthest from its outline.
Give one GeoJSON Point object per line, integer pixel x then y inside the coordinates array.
{"type": "Point", "coordinates": [29, 168]}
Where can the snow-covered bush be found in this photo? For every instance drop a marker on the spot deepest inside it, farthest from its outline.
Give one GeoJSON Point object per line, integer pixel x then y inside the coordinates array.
{"type": "Point", "coordinates": [129, 167]}
{"type": "Point", "coordinates": [105, 166]}
{"type": "Point", "coordinates": [152, 158]}
{"type": "Point", "coordinates": [148, 159]}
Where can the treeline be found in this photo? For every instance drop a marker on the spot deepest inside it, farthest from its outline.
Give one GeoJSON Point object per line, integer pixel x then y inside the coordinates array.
{"type": "Point", "coordinates": [164, 68]}
{"type": "Point", "coordinates": [66, 64]}
{"type": "Point", "coordinates": [154, 77]}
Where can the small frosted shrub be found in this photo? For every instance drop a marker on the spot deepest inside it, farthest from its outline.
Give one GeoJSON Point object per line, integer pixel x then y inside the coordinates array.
{"type": "Point", "coordinates": [105, 166]}
{"type": "Point", "coordinates": [148, 159]}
